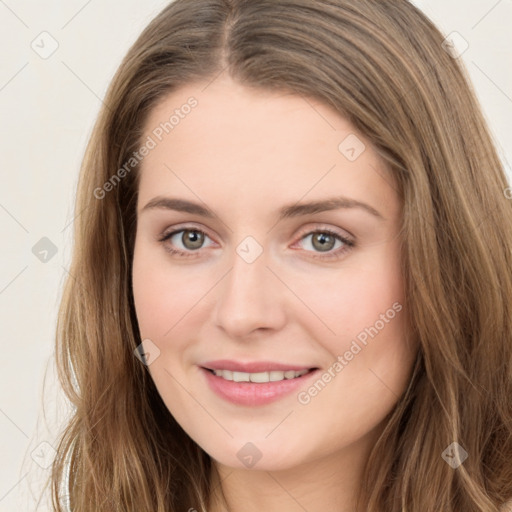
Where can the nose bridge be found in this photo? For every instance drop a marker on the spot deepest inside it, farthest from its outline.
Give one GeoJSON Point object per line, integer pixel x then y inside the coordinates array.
{"type": "Point", "coordinates": [249, 297]}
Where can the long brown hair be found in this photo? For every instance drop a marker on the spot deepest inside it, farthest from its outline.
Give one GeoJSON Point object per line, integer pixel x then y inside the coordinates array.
{"type": "Point", "coordinates": [384, 67]}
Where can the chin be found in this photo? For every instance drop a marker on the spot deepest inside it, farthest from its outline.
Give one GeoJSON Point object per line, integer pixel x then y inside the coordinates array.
{"type": "Point", "coordinates": [257, 456]}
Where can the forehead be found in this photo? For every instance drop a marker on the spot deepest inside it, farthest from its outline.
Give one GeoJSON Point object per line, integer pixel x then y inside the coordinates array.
{"type": "Point", "coordinates": [230, 143]}
{"type": "Point", "coordinates": [258, 117]}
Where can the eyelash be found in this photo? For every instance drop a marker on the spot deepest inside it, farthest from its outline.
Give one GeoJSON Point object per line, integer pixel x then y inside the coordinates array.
{"type": "Point", "coordinates": [349, 244]}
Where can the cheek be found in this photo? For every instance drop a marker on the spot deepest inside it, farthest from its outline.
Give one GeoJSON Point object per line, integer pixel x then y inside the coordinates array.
{"type": "Point", "coordinates": [163, 293]}
{"type": "Point", "coordinates": [364, 308]}
{"type": "Point", "coordinates": [164, 298]}
{"type": "Point", "coordinates": [365, 293]}
{"type": "Point", "coordinates": [370, 355]}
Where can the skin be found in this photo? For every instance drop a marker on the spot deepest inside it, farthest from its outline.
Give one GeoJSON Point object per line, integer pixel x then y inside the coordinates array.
{"type": "Point", "coordinates": [244, 154]}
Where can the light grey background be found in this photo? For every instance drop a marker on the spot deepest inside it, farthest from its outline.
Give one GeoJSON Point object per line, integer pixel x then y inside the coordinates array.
{"type": "Point", "coordinates": [48, 106]}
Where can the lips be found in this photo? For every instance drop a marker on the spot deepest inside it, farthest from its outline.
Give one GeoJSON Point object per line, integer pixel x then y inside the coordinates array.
{"type": "Point", "coordinates": [255, 383]}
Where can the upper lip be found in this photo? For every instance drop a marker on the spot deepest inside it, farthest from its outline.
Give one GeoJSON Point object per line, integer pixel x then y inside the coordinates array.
{"type": "Point", "coordinates": [252, 366]}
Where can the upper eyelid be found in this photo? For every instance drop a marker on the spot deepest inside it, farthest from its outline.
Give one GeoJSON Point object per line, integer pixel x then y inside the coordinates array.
{"type": "Point", "coordinates": [178, 228]}
{"type": "Point", "coordinates": [325, 227]}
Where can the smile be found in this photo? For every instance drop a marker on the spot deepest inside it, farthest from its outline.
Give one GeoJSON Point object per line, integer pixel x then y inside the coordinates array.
{"type": "Point", "coordinates": [256, 388]}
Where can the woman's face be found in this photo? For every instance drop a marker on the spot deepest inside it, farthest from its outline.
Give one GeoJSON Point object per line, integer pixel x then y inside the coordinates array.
{"type": "Point", "coordinates": [286, 223]}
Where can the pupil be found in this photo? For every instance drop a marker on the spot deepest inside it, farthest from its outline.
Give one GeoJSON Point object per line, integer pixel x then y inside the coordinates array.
{"type": "Point", "coordinates": [323, 240]}
{"type": "Point", "coordinates": [194, 237]}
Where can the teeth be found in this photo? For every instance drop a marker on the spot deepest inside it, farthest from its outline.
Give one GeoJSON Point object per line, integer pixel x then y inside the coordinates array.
{"type": "Point", "coordinates": [272, 376]}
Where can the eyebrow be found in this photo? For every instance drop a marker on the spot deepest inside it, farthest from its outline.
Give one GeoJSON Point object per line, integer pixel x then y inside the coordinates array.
{"type": "Point", "coordinates": [286, 212]}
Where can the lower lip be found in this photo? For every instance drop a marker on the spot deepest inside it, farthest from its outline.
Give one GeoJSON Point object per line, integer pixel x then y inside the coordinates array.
{"type": "Point", "coordinates": [252, 393]}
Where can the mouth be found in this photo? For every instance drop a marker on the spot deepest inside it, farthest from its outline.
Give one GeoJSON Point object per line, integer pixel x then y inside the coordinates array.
{"type": "Point", "coordinates": [256, 388]}
{"type": "Point", "coordinates": [260, 377]}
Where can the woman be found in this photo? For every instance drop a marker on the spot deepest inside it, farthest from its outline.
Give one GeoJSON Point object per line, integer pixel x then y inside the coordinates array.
{"type": "Point", "coordinates": [292, 278]}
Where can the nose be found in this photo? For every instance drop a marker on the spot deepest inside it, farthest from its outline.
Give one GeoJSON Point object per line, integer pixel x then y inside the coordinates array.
{"type": "Point", "coordinates": [250, 297]}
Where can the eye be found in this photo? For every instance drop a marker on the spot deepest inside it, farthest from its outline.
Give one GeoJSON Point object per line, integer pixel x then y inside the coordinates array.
{"type": "Point", "coordinates": [191, 239]}
{"type": "Point", "coordinates": [324, 240]}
